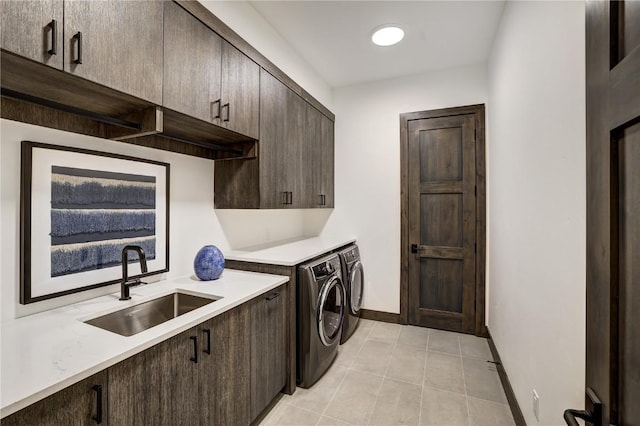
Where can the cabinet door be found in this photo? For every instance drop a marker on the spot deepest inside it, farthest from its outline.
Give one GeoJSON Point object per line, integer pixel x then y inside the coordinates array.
{"type": "Point", "coordinates": [28, 30]}
{"type": "Point", "coordinates": [326, 162]}
{"type": "Point", "coordinates": [224, 384]}
{"type": "Point", "coordinates": [158, 386]}
{"type": "Point", "coordinates": [312, 158]}
{"type": "Point", "coordinates": [76, 405]}
{"type": "Point", "coordinates": [318, 157]}
{"type": "Point", "coordinates": [294, 144]}
{"type": "Point", "coordinates": [273, 150]}
{"type": "Point", "coordinates": [120, 45]}
{"type": "Point", "coordinates": [268, 348]}
{"type": "Point", "coordinates": [240, 92]}
{"type": "Point", "coordinates": [192, 65]}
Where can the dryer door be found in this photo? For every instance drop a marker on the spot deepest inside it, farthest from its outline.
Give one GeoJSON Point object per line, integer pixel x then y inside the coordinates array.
{"type": "Point", "coordinates": [331, 311]}
{"type": "Point", "coordinates": [356, 281]}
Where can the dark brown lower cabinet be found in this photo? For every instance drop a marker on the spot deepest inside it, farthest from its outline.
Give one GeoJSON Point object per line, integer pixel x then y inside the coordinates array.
{"type": "Point", "coordinates": [224, 371]}
{"type": "Point", "coordinates": [79, 404]}
{"type": "Point", "coordinates": [200, 376]}
{"type": "Point", "coordinates": [157, 386]}
{"type": "Point", "coordinates": [268, 348]}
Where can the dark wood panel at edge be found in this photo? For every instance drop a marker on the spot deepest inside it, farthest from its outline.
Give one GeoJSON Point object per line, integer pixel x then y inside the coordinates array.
{"type": "Point", "coordinates": [381, 316]}
{"type": "Point", "coordinates": [266, 410]}
{"type": "Point", "coordinates": [506, 384]}
{"type": "Point", "coordinates": [289, 271]}
{"type": "Point", "coordinates": [479, 111]}
{"type": "Point", "coordinates": [213, 22]}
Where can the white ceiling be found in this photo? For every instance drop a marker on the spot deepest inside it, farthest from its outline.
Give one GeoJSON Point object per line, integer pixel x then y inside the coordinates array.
{"type": "Point", "coordinates": [335, 36]}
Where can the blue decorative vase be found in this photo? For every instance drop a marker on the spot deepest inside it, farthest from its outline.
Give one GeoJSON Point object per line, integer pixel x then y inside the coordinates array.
{"type": "Point", "coordinates": [209, 263]}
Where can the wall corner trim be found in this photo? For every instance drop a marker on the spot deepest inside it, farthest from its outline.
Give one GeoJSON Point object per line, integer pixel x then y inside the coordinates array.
{"type": "Point", "coordinates": [506, 384]}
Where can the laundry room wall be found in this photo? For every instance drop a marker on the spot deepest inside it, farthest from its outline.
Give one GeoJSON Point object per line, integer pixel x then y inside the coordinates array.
{"type": "Point", "coordinates": [194, 222]}
{"type": "Point", "coordinates": [246, 228]}
{"type": "Point", "coordinates": [537, 173]}
{"type": "Point", "coordinates": [250, 25]}
{"type": "Point", "coordinates": [367, 167]}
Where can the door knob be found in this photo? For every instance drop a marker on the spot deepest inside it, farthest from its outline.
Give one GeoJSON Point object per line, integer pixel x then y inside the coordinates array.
{"type": "Point", "coordinates": [414, 248]}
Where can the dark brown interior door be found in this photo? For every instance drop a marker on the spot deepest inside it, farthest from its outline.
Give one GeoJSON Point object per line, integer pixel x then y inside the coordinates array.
{"type": "Point", "coordinates": [442, 222]}
{"type": "Point", "coordinates": [613, 213]}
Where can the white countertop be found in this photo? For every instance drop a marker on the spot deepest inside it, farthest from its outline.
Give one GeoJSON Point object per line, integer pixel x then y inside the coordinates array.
{"type": "Point", "coordinates": [288, 253]}
{"type": "Point", "coordinates": [46, 352]}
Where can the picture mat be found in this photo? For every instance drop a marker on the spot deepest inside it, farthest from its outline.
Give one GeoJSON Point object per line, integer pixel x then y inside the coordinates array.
{"type": "Point", "coordinates": [42, 161]}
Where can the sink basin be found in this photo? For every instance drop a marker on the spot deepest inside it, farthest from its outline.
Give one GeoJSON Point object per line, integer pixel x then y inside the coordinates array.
{"type": "Point", "coordinates": [140, 317]}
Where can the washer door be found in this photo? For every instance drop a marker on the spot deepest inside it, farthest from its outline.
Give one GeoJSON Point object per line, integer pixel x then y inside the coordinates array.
{"type": "Point", "coordinates": [331, 311]}
{"type": "Point", "coordinates": [356, 280]}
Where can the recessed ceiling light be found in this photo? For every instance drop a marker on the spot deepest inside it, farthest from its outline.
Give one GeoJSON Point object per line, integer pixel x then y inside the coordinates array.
{"type": "Point", "coordinates": [387, 35]}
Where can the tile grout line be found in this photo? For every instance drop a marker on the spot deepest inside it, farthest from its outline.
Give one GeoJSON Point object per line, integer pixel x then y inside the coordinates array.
{"type": "Point", "coordinates": [424, 375]}
{"type": "Point", "coordinates": [395, 343]}
{"type": "Point", "coordinates": [286, 402]}
{"type": "Point", "coordinates": [464, 382]}
{"type": "Point", "coordinates": [333, 396]}
{"type": "Point", "coordinates": [381, 375]}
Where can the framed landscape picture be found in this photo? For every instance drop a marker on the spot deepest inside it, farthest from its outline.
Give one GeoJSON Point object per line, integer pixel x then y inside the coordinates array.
{"type": "Point", "coordinates": [79, 208]}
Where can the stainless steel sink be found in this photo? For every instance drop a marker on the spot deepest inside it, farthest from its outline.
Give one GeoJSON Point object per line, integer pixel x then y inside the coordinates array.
{"type": "Point", "coordinates": [134, 319]}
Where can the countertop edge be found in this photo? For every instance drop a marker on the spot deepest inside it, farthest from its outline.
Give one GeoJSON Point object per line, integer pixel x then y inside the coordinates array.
{"type": "Point", "coordinates": [254, 257]}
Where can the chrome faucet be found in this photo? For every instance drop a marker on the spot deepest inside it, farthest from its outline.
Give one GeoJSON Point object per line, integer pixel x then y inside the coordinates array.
{"type": "Point", "coordinates": [126, 283]}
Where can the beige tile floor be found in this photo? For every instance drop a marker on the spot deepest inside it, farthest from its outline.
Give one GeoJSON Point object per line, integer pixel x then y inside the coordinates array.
{"type": "Point", "coordinates": [388, 374]}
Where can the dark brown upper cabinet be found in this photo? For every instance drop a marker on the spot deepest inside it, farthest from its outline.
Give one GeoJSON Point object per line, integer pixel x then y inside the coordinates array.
{"type": "Point", "coordinates": [272, 180]}
{"type": "Point", "coordinates": [117, 44]}
{"type": "Point", "coordinates": [278, 156]}
{"type": "Point", "coordinates": [293, 145]}
{"type": "Point", "coordinates": [33, 29]}
{"type": "Point", "coordinates": [192, 65]}
{"type": "Point", "coordinates": [318, 160]}
{"type": "Point", "coordinates": [327, 162]}
{"type": "Point", "coordinates": [168, 75]}
{"type": "Point", "coordinates": [240, 92]}
{"type": "Point", "coordinates": [294, 168]}
{"type": "Point", "coordinates": [207, 78]}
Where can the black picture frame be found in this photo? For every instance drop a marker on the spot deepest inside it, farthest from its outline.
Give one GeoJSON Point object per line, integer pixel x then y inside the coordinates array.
{"type": "Point", "coordinates": [36, 284]}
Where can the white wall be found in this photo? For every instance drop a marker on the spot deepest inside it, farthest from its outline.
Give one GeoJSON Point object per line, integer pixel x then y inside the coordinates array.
{"type": "Point", "coordinates": [367, 164]}
{"type": "Point", "coordinates": [251, 26]}
{"type": "Point", "coordinates": [194, 222]}
{"type": "Point", "coordinates": [537, 187]}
